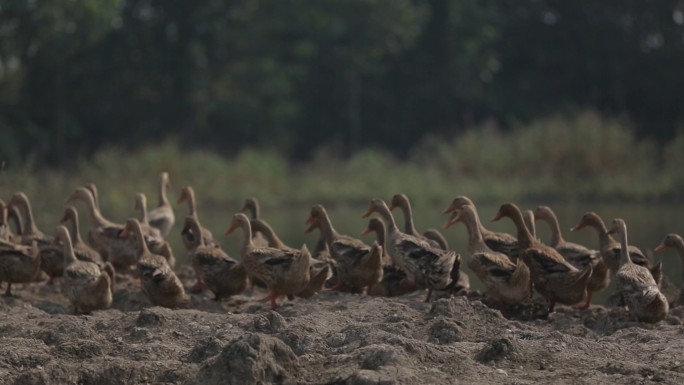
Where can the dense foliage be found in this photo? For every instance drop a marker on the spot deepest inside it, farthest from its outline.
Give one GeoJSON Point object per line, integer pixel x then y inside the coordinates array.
{"type": "Point", "coordinates": [292, 75]}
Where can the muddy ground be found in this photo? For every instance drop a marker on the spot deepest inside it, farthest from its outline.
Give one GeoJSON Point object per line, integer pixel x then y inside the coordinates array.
{"type": "Point", "coordinates": [332, 338]}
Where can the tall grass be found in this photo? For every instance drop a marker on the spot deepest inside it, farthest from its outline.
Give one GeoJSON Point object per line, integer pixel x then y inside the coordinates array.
{"type": "Point", "coordinates": [585, 157]}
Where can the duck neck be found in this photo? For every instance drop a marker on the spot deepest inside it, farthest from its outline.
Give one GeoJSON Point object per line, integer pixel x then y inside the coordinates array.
{"type": "Point", "coordinates": [380, 234]}
{"type": "Point", "coordinates": [75, 229]}
{"type": "Point", "coordinates": [247, 242]}
{"type": "Point", "coordinates": [191, 203]}
{"type": "Point", "coordinates": [388, 218]}
{"type": "Point", "coordinates": [68, 249]}
{"type": "Point", "coordinates": [163, 200]}
{"type": "Point", "coordinates": [409, 226]}
{"type": "Point", "coordinates": [327, 230]}
{"type": "Point", "coordinates": [472, 223]}
{"type": "Point", "coordinates": [197, 232]}
{"type": "Point", "coordinates": [29, 225]}
{"type": "Point", "coordinates": [679, 247]}
{"type": "Point", "coordinates": [95, 215]}
{"type": "Point", "coordinates": [606, 241]}
{"type": "Point", "coordinates": [624, 247]}
{"type": "Point", "coordinates": [525, 239]}
{"type": "Point", "coordinates": [269, 234]}
{"type": "Point", "coordinates": [143, 212]}
{"type": "Point", "coordinates": [140, 240]}
{"type": "Point", "coordinates": [556, 236]}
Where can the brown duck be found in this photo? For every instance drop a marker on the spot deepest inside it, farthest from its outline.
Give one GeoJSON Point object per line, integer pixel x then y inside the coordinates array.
{"type": "Point", "coordinates": [432, 236]}
{"type": "Point", "coordinates": [283, 272]}
{"type": "Point", "coordinates": [158, 281]}
{"type": "Point", "coordinates": [214, 268]}
{"type": "Point", "coordinates": [188, 193]}
{"type": "Point", "coordinates": [162, 217]}
{"type": "Point", "coordinates": [425, 266]}
{"type": "Point", "coordinates": [506, 281]}
{"type": "Point", "coordinates": [499, 242]}
{"type": "Point", "coordinates": [636, 284]}
{"type": "Point", "coordinates": [554, 277]}
{"type": "Point", "coordinates": [357, 264]}
{"type": "Point", "coordinates": [81, 249]}
{"type": "Point", "coordinates": [578, 255]}
{"type": "Point", "coordinates": [51, 257]}
{"type": "Point", "coordinates": [85, 284]}
{"type": "Point", "coordinates": [610, 248]}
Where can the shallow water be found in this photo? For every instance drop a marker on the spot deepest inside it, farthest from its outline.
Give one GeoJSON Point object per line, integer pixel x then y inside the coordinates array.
{"type": "Point", "coordinates": [647, 226]}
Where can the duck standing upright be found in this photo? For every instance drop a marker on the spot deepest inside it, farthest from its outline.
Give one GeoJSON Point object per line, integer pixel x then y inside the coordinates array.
{"type": "Point", "coordinates": [506, 281]}
{"type": "Point", "coordinates": [578, 255]}
{"type": "Point", "coordinates": [554, 277]}
{"type": "Point", "coordinates": [424, 265]}
{"type": "Point", "coordinates": [636, 284]}
{"type": "Point", "coordinates": [357, 265]}
{"type": "Point", "coordinates": [283, 272]}
{"type": "Point", "coordinates": [87, 285]}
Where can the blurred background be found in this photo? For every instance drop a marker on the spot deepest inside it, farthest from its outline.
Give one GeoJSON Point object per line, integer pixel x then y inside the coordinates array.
{"type": "Point", "coordinates": [576, 104]}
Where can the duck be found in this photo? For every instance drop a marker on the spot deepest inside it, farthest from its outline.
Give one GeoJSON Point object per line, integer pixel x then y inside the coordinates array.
{"type": "Point", "coordinates": [18, 263]}
{"type": "Point", "coordinates": [321, 250]}
{"type": "Point", "coordinates": [392, 277]}
{"type": "Point", "coordinates": [283, 272]}
{"type": "Point", "coordinates": [153, 237]}
{"type": "Point", "coordinates": [676, 242]}
{"type": "Point", "coordinates": [320, 270]}
{"type": "Point", "coordinates": [252, 209]}
{"type": "Point", "coordinates": [610, 248]}
{"type": "Point", "coordinates": [13, 215]}
{"type": "Point", "coordinates": [162, 216]}
{"type": "Point", "coordinates": [554, 277]}
{"type": "Point", "coordinates": [159, 283]}
{"type": "Point", "coordinates": [528, 217]}
{"type": "Point", "coordinates": [51, 256]}
{"type": "Point", "coordinates": [141, 206]}
{"type": "Point", "coordinates": [103, 235]}
{"type": "Point", "coordinates": [505, 281]}
{"type": "Point", "coordinates": [357, 265]}
{"type": "Point", "coordinates": [497, 241]}
{"type": "Point", "coordinates": [81, 249]}
{"type": "Point", "coordinates": [86, 285]}
{"type": "Point", "coordinates": [214, 268]}
{"type": "Point", "coordinates": [6, 234]}
{"type": "Point", "coordinates": [188, 238]}
{"type": "Point", "coordinates": [639, 289]}
{"type": "Point", "coordinates": [432, 236]}
{"type": "Point", "coordinates": [578, 255]}
{"type": "Point", "coordinates": [425, 266]}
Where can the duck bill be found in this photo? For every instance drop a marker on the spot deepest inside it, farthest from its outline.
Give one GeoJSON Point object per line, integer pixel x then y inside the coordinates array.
{"type": "Point", "coordinates": [313, 224]}
{"type": "Point", "coordinates": [181, 198]}
{"type": "Point", "coordinates": [366, 231]}
{"type": "Point", "coordinates": [64, 218]}
{"type": "Point", "coordinates": [125, 233]}
{"type": "Point", "coordinates": [232, 228]}
{"type": "Point", "coordinates": [497, 217]}
{"type": "Point", "coordinates": [455, 217]}
{"type": "Point", "coordinates": [392, 206]}
{"type": "Point", "coordinates": [660, 248]}
{"type": "Point", "coordinates": [578, 227]}
{"type": "Point", "coordinates": [368, 213]}
{"type": "Point", "coordinates": [448, 210]}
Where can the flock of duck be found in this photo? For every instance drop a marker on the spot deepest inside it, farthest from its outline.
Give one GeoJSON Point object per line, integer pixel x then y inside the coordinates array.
{"type": "Point", "coordinates": [399, 261]}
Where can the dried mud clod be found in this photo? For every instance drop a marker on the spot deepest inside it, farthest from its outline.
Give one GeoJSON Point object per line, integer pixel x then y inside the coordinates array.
{"type": "Point", "coordinates": [497, 350]}
{"type": "Point", "coordinates": [251, 358]}
{"type": "Point", "coordinates": [444, 332]}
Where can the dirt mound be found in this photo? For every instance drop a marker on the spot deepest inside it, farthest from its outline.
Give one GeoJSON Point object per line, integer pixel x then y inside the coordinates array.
{"type": "Point", "coordinates": [332, 338]}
